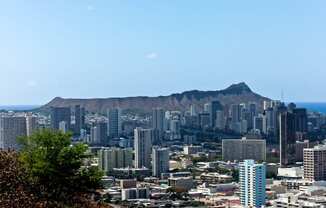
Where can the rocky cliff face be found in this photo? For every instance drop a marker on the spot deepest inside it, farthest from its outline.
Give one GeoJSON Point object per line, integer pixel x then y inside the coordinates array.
{"type": "Point", "coordinates": [235, 94]}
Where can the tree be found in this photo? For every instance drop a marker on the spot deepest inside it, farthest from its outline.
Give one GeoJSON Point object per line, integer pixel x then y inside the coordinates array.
{"type": "Point", "coordinates": [14, 190]}
{"type": "Point", "coordinates": [55, 168]}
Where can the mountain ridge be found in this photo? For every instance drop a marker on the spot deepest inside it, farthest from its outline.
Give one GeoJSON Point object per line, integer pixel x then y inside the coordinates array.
{"type": "Point", "coordinates": [234, 94]}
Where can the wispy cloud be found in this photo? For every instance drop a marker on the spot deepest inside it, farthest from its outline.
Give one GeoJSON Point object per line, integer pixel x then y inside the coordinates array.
{"type": "Point", "coordinates": [152, 55]}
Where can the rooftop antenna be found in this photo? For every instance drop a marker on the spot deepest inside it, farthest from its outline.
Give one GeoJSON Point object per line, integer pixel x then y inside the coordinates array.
{"type": "Point", "coordinates": [282, 95]}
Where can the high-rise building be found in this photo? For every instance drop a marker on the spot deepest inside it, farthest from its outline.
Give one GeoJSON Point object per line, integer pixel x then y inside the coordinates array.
{"type": "Point", "coordinates": [270, 120]}
{"type": "Point", "coordinates": [158, 124]}
{"type": "Point", "coordinates": [235, 113]}
{"type": "Point", "coordinates": [251, 115]}
{"type": "Point", "coordinates": [11, 127]}
{"type": "Point", "coordinates": [301, 120]}
{"type": "Point", "coordinates": [204, 120]}
{"type": "Point", "coordinates": [114, 124]}
{"type": "Point", "coordinates": [31, 124]}
{"type": "Point", "coordinates": [287, 138]}
{"type": "Point", "coordinates": [79, 119]}
{"type": "Point", "coordinates": [214, 107]}
{"type": "Point", "coordinates": [314, 163]}
{"type": "Point", "coordinates": [99, 133]}
{"type": "Point", "coordinates": [242, 149]}
{"type": "Point", "coordinates": [160, 161]}
{"type": "Point", "coordinates": [299, 147]}
{"type": "Point", "coordinates": [220, 120]}
{"type": "Point", "coordinates": [175, 129]}
{"type": "Point", "coordinates": [252, 180]}
{"type": "Point", "coordinates": [143, 147]}
{"type": "Point", "coordinates": [158, 119]}
{"type": "Point", "coordinates": [59, 114]}
{"type": "Point", "coordinates": [260, 123]}
{"type": "Point", "coordinates": [110, 158]}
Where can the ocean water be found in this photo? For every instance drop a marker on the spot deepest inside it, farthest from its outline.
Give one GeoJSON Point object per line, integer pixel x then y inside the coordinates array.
{"type": "Point", "coordinates": [18, 107]}
{"type": "Point", "coordinates": [316, 107]}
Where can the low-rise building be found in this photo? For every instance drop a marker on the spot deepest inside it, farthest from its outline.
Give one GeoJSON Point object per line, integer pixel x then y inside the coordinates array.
{"type": "Point", "coordinates": [181, 183]}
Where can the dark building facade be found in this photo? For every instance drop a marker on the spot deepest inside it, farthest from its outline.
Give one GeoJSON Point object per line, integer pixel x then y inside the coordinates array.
{"type": "Point", "coordinates": [287, 136]}
{"type": "Point", "coordinates": [59, 114]}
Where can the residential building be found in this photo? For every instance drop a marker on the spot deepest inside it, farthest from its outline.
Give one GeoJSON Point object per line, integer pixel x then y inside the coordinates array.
{"type": "Point", "coordinates": [252, 180]}
{"type": "Point", "coordinates": [160, 161]}
{"type": "Point", "coordinates": [242, 149]}
{"type": "Point", "coordinates": [143, 147]}
{"type": "Point", "coordinates": [314, 163]}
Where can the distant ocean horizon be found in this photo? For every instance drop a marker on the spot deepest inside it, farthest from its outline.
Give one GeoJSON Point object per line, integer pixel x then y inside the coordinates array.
{"type": "Point", "coordinates": [311, 106]}
{"type": "Point", "coordinates": [18, 107]}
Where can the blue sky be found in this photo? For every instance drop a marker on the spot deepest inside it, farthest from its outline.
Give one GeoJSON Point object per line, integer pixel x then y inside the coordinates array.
{"type": "Point", "coordinates": [111, 48]}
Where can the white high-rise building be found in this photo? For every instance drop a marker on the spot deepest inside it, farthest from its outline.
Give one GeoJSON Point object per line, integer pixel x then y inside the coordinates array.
{"type": "Point", "coordinates": [252, 180]}
{"type": "Point", "coordinates": [114, 123]}
{"type": "Point", "coordinates": [143, 147]}
{"type": "Point", "coordinates": [160, 161]}
{"type": "Point", "coordinates": [11, 127]}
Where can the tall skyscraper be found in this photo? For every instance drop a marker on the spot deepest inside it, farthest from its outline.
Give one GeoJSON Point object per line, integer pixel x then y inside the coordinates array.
{"type": "Point", "coordinates": [314, 163]}
{"type": "Point", "coordinates": [235, 113]}
{"type": "Point", "coordinates": [214, 107]}
{"type": "Point", "coordinates": [287, 138]}
{"type": "Point", "coordinates": [252, 112]}
{"type": "Point", "coordinates": [160, 161]}
{"type": "Point", "coordinates": [114, 124]}
{"type": "Point", "coordinates": [158, 119]}
{"type": "Point", "coordinates": [158, 124]}
{"type": "Point", "coordinates": [270, 120]}
{"type": "Point", "coordinates": [11, 127]}
{"type": "Point", "coordinates": [143, 147]}
{"type": "Point", "coordinates": [59, 114]}
{"type": "Point", "coordinates": [252, 180]}
{"type": "Point", "coordinates": [79, 119]}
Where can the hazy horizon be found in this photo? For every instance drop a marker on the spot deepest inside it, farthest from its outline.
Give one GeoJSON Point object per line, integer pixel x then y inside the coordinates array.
{"type": "Point", "coordinates": [122, 48]}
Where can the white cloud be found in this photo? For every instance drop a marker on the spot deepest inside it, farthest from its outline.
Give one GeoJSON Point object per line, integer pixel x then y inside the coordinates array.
{"type": "Point", "coordinates": [31, 83]}
{"type": "Point", "coordinates": [152, 55]}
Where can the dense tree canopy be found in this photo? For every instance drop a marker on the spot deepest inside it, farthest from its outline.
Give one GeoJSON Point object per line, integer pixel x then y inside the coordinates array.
{"type": "Point", "coordinates": [49, 171]}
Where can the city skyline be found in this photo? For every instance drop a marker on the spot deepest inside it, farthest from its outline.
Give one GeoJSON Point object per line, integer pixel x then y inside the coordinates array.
{"type": "Point", "coordinates": [92, 48]}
